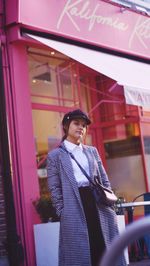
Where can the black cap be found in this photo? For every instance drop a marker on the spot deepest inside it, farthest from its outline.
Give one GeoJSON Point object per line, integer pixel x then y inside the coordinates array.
{"type": "Point", "coordinates": [68, 117]}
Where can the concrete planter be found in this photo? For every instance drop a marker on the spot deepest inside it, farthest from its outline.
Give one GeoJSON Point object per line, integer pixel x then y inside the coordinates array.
{"type": "Point", "coordinates": [46, 238]}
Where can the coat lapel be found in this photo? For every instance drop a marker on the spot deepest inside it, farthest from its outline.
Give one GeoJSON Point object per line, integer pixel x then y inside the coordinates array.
{"type": "Point", "coordinates": [67, 166]}
{"type": "Point", "coordinates": [90, 158]}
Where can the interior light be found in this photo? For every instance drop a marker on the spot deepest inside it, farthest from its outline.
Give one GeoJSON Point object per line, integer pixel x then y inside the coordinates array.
{"type": "Point", "coordinates": [75, 75]}
{"type": "Point", "coordinates": [52, 53]}
{"type": "Point", "coordinates": [34, 80]}
{"type": "Point", "coordinates": [46, 81]}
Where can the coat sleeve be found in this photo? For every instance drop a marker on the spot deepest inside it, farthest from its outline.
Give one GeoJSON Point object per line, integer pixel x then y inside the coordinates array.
{"type": "Point", "coordinates": [54, 183]}
{"type": "Point", "coordinates": [103, 175]}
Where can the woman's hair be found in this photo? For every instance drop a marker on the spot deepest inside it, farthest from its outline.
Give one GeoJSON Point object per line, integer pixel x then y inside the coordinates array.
{"type": "Point", "coordinates": [63, 138]}
{"type": "Point", "coordinates": [65, 129]}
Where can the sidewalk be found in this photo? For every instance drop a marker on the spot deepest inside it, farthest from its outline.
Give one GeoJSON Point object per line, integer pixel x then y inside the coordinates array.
{"type": "Point", "coordinates": [145, 262]}
{"type": "Point", "coordinates": [4, 261]}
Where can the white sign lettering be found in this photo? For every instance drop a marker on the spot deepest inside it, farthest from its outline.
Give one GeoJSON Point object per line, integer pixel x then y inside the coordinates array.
{"type": "Point", "coordinates": [81, 9]}
{"type": "Point", "coordinates": [141, 31]}
{"type": "Point", "coordinates": [137, 97]}
{"type": "Point", "coordinates": [72, 10]}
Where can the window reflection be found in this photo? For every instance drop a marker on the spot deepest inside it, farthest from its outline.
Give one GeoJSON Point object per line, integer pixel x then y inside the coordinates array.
{"type": "Point", "coordinates": [53, 78]}
{"type": "Point", "coordinates": [58, 84]}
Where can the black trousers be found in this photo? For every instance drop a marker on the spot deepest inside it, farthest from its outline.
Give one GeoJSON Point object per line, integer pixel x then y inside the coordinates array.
{"type": "Point", "coordinates": [96, 239]}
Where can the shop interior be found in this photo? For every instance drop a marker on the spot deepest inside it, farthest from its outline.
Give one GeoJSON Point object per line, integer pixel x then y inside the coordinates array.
{"type": "Point", "coordinates": [59, 84]}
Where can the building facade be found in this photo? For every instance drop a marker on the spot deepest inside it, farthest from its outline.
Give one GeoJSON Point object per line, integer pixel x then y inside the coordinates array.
{"type": "Point", "coordinates": [92, 55]}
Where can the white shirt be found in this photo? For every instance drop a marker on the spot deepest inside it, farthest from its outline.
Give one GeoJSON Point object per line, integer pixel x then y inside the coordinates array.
{"type": "Point", "coordinates": [77, 151]}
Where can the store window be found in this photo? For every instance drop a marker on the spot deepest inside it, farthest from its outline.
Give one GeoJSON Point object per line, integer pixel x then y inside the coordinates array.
{"type": "Point", "coordinates": [112, 105]}
{"type": "Point", "coordinates": [124, 163]}
{"type": "Point", "coordinates": [53, 78]}
{"type": "Point", "coordinates": [58, 84]}
{"type": "Point", "coordinates": [122, 142]}
{"type": "Point", "coordinates": [145, 127]}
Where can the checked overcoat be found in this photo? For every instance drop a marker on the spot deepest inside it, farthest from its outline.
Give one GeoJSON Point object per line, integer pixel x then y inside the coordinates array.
{"type": "Point", "coordinates": [74, 249]}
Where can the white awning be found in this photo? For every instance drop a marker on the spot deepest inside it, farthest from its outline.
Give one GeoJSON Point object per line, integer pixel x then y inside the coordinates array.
{"type": "Point", "coordinates": [133, 75]}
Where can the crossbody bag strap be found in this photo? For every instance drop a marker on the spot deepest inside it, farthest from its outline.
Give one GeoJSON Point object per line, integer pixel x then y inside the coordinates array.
{"type": "Point", "coordinates": [81, 168]}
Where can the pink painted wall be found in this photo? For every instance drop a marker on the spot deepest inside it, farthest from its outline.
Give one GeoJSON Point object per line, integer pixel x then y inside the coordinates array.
{"type": "Point", "coordinates": [25, 180]}
{"type": "Point", "coordinates": [92, 21]}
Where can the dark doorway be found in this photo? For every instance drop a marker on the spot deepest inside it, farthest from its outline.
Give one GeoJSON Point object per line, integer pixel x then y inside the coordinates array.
{"type": "Point", "coordinates": [11, 251]}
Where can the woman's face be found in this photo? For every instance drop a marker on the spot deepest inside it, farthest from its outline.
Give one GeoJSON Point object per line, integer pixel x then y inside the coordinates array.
{"type": "Point", "coordinates": [76, 131]}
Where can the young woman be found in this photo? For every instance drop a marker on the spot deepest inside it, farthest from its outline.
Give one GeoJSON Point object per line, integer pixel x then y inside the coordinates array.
{"type": "Point", "coordinates": [86, 230]}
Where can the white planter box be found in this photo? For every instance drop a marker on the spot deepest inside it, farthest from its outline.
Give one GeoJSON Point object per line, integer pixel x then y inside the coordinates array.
{"type": "Point", "coordinates": [46, 237]}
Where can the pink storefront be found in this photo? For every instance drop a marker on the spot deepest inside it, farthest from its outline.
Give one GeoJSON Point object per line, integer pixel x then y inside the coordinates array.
{"type": "Point", "coordinates": [56, 57]}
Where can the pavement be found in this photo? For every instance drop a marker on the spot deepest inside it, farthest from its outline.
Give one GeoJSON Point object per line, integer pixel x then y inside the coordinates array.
{"type": "Point", "coordinates": [145, 262]}
{"type": "Point", "coordinates": [4, 261]}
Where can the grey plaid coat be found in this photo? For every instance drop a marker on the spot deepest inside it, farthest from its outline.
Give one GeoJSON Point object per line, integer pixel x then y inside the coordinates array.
{"type": "Point", "coordinates": [74, 247]}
